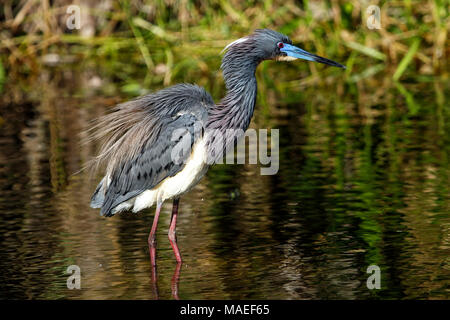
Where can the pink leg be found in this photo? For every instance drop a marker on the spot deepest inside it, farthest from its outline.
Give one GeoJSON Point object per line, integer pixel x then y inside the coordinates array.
{"type": "Point", "coordinates": [175, 281]}
{"type": "Point", "coordinates": [152, 236]}
{"type": "Point", "coordinates": [172, 236]}
{"type": "Point", "coordinates": [154, 282]}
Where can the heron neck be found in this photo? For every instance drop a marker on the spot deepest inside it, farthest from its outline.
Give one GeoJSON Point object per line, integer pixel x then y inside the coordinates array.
{"type": "Point", "coordinates": [235, 110]}
{"type": "Point", "coordinates": [228, 120]}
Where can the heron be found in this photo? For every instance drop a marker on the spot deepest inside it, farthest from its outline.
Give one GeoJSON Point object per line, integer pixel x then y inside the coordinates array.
{"type": "Point", "coordinates": [144, 163]}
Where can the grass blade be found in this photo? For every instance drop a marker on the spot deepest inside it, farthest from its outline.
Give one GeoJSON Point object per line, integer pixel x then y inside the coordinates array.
{"type": "Point", "coordinates": [366, 50]}
{"type": "Point", "coordinates": [406, 59]}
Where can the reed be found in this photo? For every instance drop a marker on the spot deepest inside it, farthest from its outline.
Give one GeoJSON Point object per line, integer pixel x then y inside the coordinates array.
{"type": "Point", "coordinates": [191, 33]}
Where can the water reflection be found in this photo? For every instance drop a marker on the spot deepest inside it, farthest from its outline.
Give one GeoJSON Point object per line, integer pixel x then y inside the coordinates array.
{"type": "Point", "coordinates": [359, 184]}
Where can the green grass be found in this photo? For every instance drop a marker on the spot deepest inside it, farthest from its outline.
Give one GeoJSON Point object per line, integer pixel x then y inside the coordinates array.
{"type": "Point", "coordinates": [148, 33]}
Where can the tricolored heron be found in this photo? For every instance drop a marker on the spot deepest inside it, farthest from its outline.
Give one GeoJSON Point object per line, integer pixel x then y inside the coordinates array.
{"type": "Point", "coordinates": [144, 166]}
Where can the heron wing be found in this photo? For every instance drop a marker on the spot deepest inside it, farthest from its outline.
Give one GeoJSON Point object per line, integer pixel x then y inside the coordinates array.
{"type": "Point", "coordinates": [160, 158]}
{"type": "Point", "coordinates": [139, 138]}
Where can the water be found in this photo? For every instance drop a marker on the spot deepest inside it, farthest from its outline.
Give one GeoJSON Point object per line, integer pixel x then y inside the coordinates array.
{"type": "Point", "coordinates": [363, 180]}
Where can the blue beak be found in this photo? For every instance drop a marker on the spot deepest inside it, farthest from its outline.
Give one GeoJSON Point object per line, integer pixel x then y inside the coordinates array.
{"type": "Point", "coordinates": [298, 53]}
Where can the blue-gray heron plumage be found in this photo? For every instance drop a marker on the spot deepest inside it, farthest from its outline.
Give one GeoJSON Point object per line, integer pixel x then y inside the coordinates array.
{"type": "Point", "coordinates": [144, 164]}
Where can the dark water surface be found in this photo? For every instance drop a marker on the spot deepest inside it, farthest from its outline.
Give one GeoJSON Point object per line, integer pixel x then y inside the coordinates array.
{"type": "Point", "coordinates": [363, 180]}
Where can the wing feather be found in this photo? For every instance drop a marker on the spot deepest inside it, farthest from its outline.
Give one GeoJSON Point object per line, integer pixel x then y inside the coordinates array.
{"type": "Point", "coordinates": [177, 123]}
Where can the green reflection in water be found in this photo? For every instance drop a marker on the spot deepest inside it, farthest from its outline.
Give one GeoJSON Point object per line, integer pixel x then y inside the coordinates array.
{"type": "Point", "coordinates": [362, 181]}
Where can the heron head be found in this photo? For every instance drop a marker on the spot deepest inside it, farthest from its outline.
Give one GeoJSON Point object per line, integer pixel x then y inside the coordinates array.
{"type": "Point", "coordinates": [266, 44]}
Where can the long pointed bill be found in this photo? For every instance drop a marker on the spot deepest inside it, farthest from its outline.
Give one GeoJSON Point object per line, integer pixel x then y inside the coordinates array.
{"type": "Point", "coordinates": [293, 51]}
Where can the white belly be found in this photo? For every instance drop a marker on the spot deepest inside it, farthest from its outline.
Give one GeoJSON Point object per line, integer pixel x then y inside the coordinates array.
{"type": "Point", "coordinates": [180, 183]}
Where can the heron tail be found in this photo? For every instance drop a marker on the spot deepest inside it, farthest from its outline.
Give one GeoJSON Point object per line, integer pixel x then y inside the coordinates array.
{"type": "Point", "coordinates": [98, 198]}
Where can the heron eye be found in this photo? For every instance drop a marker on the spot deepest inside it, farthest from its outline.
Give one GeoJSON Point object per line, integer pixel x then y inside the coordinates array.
{"type": "Point", "coordinates": [280, 45]}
